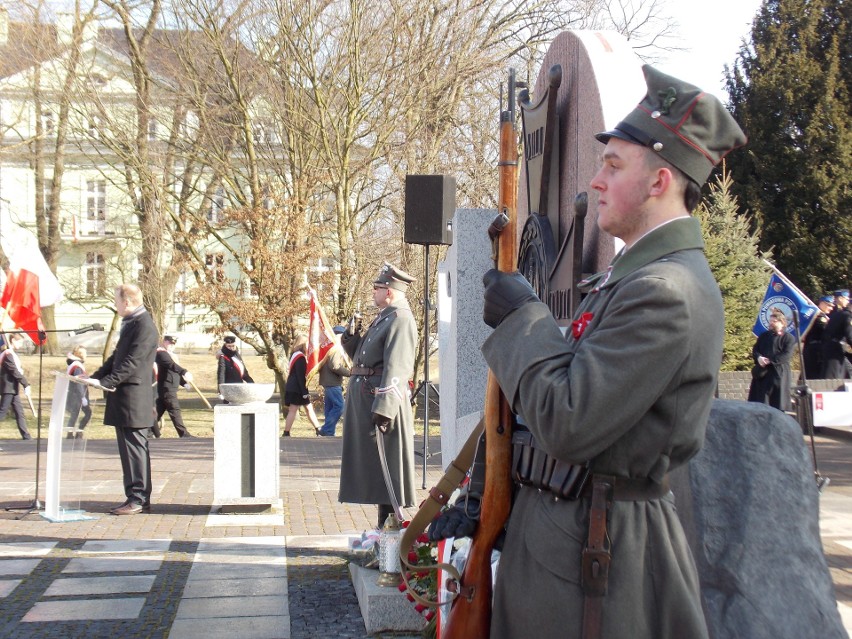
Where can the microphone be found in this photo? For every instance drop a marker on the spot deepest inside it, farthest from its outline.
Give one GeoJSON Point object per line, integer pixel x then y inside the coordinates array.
{"type": "Point", "coordinates": [86, 329]}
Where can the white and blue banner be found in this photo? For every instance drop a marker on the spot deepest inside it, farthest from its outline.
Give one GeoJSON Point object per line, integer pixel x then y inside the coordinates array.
{"type": "Point", "coordinates": [783, 295]}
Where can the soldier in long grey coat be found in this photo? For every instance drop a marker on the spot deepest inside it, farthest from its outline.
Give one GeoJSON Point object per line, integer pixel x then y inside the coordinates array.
{"type": "Point", "coordinates": [379, 397]}
{"type": "Point", "coordinates": [628, 389]}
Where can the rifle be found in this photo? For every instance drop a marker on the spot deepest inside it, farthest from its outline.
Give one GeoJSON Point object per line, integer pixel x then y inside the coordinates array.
{"type": "Point", "coordinates": [470, 616]}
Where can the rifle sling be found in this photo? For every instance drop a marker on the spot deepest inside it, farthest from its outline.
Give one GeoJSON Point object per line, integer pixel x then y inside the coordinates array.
{"type": "Point", "coordinates": [596, 556]}
{"type": "Point", "coordinates": [439, 495]}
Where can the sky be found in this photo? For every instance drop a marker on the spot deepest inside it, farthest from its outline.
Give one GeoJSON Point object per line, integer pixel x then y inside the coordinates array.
{"type": "Point", "coordinates": [712, 33]}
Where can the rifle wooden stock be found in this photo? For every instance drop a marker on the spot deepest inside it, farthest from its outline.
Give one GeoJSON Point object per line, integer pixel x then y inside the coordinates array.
{"type": "Point", "coordinates": [470, 616]}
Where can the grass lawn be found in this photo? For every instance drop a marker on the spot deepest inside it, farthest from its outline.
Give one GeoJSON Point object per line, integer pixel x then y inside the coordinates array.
{"type": "Point", "coordinates": [198, 418]}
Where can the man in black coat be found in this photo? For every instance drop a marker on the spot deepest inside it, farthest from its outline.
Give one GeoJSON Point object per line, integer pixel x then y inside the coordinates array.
{"type": "Point", "coordinates": [170, 376]}
{"type": "Point", "coordinates": [812, 346]}
{"type": "Point", "coordinates": [11, 377]}
{"type": "Point", "coordinates": [838, 332]}
{"type": "Point", "coordinates": [130, 407]}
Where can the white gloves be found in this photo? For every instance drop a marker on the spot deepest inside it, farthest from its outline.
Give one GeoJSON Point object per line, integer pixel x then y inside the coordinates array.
{"type": "Point", "coordinates": [763, 361]}
{"type": "Point", "coordinates": [28, 391]}
{"type": "Point", "coordinates": [187, 376]}
{"type": "Point", "coordinates": [85, 402]}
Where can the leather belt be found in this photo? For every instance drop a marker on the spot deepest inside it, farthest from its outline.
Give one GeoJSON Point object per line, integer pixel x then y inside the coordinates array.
{"type": "Point", "coordinates": [627, 489]}
{"type": "Point", "coordinates": [364, 370]}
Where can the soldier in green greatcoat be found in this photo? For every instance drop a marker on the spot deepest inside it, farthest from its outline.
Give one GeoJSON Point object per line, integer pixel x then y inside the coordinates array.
{"type": "Point", "coordinates": [628, 389]}
{"type": "Point", "coordinates": [379, 396]}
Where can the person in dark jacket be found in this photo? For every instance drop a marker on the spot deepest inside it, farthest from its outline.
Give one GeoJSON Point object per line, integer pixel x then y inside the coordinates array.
{"type": "Point", "coordinates": [78, 394]}
{"type": "Point", "coordinates": [772, 353]}
{"type": "Point", "coordinates": [231, 369]}
{"type": "Point", "coordinates": [170, 376]}
{"type": "Point", "coordinates": [837, 335]}
{"type": "Point", "coordinates": [812, 346]}
{"type": "Point", "coordinates": [296, 392]}
{"type": "Point", "coordinates": [128, 373]}
{"type": "Point", "coordinates": [11, 379]}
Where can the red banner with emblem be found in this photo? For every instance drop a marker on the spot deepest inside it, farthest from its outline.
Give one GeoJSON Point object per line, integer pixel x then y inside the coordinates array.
{"type": "Point", "coordinates": [320, 336]}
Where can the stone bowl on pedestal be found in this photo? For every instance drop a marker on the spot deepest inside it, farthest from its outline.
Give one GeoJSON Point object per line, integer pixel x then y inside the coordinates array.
{"type": "Point", "coordinates": [246, 393]}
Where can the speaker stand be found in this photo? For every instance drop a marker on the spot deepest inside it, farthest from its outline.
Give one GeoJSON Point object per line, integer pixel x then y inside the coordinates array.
{"type": "Point", "coordinates": [426, 384]}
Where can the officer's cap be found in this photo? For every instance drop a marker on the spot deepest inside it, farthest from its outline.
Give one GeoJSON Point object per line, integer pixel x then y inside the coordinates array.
{"type": "Point", "coordinates": [394, 278]}
{"type": "Point", "coordinates": [230, 339]}
{"type": "Point", "coordinates": [843, 292]}
{"type": "Point", "coordinates": [170, 338]}
{"type": "Point", "coordinates": [828, 299]}
{"type": "Point", "coordinates": [338, 330]}
{"type": "Point", "coordinates": [688, 128]}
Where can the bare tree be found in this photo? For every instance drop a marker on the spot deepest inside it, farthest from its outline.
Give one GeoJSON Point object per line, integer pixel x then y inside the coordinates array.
{"type": "Point", "coordinates": [53, 62]}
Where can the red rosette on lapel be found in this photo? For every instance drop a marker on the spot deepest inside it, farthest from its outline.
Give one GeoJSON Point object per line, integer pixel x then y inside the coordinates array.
{"type": "Point", "coordinates": [578, 326]}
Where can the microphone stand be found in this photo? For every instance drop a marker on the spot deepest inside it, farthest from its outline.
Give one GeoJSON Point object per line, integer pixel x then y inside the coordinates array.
{"type": "Point", "coordinates": [36, 506]}
{"type": "Point", "coordinates": [805, 407]}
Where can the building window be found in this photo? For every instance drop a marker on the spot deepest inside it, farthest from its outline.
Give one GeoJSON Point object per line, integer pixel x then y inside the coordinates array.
{"type": "Point", "coordinates": [47, 196]}
{"type": "Point", "coordinates": [217, 205]}
{"type": "Point", "coordinates": [94, 127]}
{"type": "Point", "coordinates": [95, 274]}
{"type": "Point", "coordinates": [48, 124]}
{"type": "Point", "coordinates": [96, 207]}
{"type": "Point", "coordinates": [152, 129]}
{"type": "Point", "coordinates": [215, 263]}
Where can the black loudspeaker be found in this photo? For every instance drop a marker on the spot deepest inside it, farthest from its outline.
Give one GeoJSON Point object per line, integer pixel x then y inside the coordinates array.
{"type": "Point", "coordinates": [430, 203]}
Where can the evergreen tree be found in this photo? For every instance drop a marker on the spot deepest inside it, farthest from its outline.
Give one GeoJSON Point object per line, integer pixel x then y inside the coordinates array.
{"type": "Point", "coordinates": [791, 90]}
{"type": "Point", "coordinates": [736, 261]}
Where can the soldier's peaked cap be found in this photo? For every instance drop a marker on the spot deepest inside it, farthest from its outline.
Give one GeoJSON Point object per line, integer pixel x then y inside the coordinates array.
{"type": "Point", "coordinates": [230, 339]}
{"type": "Point", "coordinates": [690, 129]}
{"type": "Point", "coordinates": [841, 292]}
{"type": "Point", "coordinates": [170, 338]}
{"type": "Point", "coordinates": [394, 278]}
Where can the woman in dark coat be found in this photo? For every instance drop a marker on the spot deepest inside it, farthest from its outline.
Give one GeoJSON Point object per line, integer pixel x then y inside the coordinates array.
{"type": "Point", "coordinates": [296, 391]}
{"type": "Point", "coordinates": [771, 375]}
{"type": "Point", "coordinates": [231, 369]}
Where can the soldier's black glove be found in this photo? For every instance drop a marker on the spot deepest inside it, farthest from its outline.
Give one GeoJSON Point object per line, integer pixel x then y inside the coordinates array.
{"type": "Point", "coordinates": [504, 292]}
{"type": "Point", "coordinates": [384, 424]}
{"type": "Point", "coordinates": [459, 521]}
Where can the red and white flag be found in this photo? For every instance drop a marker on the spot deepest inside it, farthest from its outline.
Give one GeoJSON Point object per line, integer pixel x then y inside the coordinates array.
{"type": "Point", "coordinates": [20, 298]}
{"type": "Point", "coordinates": [320, 336]}
{"type": "Point", "coordinates": [27, 285]}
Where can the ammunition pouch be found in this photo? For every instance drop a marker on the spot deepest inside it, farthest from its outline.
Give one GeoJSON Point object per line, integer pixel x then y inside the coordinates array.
{"type": "Point", "coordinates": [531, 466]}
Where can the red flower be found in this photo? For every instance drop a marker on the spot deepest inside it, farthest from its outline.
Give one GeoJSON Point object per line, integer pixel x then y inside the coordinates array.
{"type": "Point", "coordinates": [412, 557]}
{"type": "Point", "coordinates": [429, 614]}
{"type": "Point", "coordinates": [578, 326]}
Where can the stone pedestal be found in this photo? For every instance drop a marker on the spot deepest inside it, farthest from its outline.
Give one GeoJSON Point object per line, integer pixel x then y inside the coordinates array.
{"type": "Point", "coordinates": [245, 457]}
{"type": "Point", "coordinates": [461, 330]}
{"type": "Point", "coordinates": [383, 608]}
